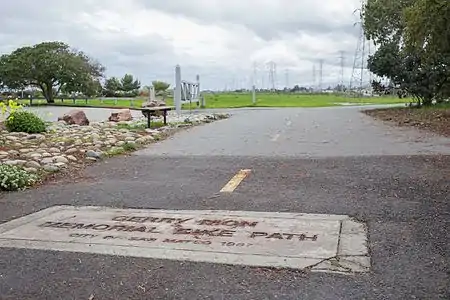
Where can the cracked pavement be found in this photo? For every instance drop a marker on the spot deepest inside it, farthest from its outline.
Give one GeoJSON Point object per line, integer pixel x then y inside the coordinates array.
{"type": "Point", "coordinates": [320, 161]}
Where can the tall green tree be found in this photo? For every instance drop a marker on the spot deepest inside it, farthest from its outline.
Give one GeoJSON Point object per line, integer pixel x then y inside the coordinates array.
{"type": "Point", "coordinates": [160, 86]}
{"type": "Point", "coordinates": [383, 20]}
{"type": "Point", "coordinates": [50, 66]}
{"type": "Point", "coordinates": [412, 40]}
{"type": "Point", "coordinates": [427, 27]}
{"type": "Point", "coordinates": [112, 86]}
{"type": "Point", "coordinates": [129, 84]}
{"type": "Point", "coordinates": [428, 32]}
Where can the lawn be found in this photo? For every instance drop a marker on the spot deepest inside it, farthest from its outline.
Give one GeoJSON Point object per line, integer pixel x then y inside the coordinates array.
{"type": "Point", "coordinates": [224, 100]}
{"type": "Point", "coordinates": [236, 100]}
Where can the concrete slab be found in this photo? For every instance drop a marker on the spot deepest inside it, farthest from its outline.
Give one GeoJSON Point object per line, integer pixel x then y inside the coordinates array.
{"type": "Point", "coordinates": [288, 240]}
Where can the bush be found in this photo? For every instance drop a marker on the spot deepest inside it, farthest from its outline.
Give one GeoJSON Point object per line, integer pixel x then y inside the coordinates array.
{"type": "Point", "coordinates": [13, 178]}
{"type": "Point", "coordinates": [24, 121]}
{"type": "Point", "coordinates": [129, 146]}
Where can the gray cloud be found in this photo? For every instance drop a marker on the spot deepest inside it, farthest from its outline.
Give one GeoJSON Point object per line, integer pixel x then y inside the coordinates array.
{"type": "Point", "coordinates": [268, 19]}
{"type": "Point", "coordinates": [149, 37]}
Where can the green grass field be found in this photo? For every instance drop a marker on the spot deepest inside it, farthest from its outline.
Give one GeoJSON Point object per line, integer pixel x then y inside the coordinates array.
{"type": "Point", "coordinates": [237, 100]}
{"type": "Point", "coordinates": [293, 100]}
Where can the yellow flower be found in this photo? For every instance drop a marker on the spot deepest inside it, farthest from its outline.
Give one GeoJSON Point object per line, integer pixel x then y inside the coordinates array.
{"type": "Point", "coordinates": [9, 108]}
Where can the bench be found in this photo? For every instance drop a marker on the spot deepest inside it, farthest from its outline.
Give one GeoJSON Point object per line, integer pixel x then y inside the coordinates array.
{"type": "Point", "coordinates": [152, 111]}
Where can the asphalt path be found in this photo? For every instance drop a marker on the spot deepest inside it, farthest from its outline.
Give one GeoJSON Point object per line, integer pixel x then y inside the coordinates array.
{"type": "Point", "coordinates": [327, 161]}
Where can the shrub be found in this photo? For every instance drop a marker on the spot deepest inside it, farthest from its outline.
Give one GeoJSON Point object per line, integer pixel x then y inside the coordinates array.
{"type": "Point", "coordinates": [24, 121]}
{"type": "Point", "coordinates": [13, 178]}
{"type": "Point", "coordinates": [129, 146]}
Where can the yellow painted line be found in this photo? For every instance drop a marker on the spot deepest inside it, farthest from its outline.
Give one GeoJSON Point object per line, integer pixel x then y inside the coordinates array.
{"type": "Point", "coordinates": [235, 181]}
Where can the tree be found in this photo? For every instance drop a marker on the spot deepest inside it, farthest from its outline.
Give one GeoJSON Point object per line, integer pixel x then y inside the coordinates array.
{"type": "Point", "coordinates": [92, 88]}
{"type": "Point", "coordinates": [49, 66]}
{"type": "Point", "coordinates": [160, 86]}
{"type": "Point", "coordinates": [129, 84]}
{"type": "Point", "coordinates": [428, 32]}
{"type": "Point", "coordinates": [112, 86]}
{"type": "Point", "coordinates": [407, 68]}
{"type": "Point", "coordinates": [383, 20]}
{"type": "Point", "coordinates": [89, 88]}
{"type": "Point", "coordinates": [411, 44]}
{"type": "Point", "coordinates": [427, 27]}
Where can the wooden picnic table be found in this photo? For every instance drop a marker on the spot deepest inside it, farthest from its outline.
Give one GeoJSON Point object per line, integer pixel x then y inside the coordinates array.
{"type": "Point", "coordinates": [151, 111]}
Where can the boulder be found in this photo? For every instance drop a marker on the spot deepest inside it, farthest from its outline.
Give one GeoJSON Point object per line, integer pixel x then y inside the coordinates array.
{"type": "Point", "coordinates": [75, 117]}
{"type": "Point", "coordinates": [153, 103]}
{"type": "Point", "coordinates": [121, 115]}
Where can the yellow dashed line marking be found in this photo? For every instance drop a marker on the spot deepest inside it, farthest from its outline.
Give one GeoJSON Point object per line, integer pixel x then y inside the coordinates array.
{"type": "Point", "coordinates": [235, 181]}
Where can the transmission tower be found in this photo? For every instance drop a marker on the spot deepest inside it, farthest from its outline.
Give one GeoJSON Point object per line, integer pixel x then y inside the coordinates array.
{"type": "Point", "coordinates": [272, 74]}
{"type": "Point", "coordinates": [270, 69]}
{"type": "Point", "coordinates": [314, 76]}
{"type": "Point", "coordinates": [341, 79]}
{"type": "Point", "coordinates": [360, 58]}
{"type": "Point", "coordinates": [274, 82]}
{"type": "Point", "coordinates": [263, 83]}
{"type": "Point", "coordinates": [287, 78]}
{"type": "Point", "coordinates": [254, 79]}
{"type": "Point", "coordinates": [320, 74]}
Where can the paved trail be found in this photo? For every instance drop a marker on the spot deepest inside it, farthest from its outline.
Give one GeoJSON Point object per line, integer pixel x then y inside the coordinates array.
{"type": "Point", "coordinates": [324, 132]}
{"type": "Point", "coordinates": [325, 161]}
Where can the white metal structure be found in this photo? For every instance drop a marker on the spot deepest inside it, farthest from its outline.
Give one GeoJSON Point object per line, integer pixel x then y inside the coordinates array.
{"type": "Point", "coordinates": [186, 91]}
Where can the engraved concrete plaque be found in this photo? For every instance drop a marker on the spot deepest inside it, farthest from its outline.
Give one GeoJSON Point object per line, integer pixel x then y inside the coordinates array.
{"type": "Point", "coordinates": [330, 243]}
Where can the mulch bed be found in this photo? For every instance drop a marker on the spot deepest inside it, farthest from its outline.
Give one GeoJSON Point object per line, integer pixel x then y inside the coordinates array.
{"type": "Point", "coordinates": [436, 120]}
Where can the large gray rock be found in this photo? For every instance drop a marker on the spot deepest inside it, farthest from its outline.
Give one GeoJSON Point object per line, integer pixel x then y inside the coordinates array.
{"type": "Point", "coordinates": [47, 160]}
{"type": "Point", "coordinates": [51, 168]}
{"type": "Point", "coordinates": [75, 117]}
{"type": "Point", "coordinates": [94, 154]}
{"type": "Point", "coordinates": [121, 115]}
{"type": "Point", "coordinates": [61, 159]}
{"type": "Point", "coordinates": [153, 103]}
{"type": "Point", "coordinates": [32, 164]}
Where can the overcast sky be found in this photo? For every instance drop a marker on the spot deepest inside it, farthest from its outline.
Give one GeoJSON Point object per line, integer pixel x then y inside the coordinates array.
{"type": "Point", "coordinates": [221, 40]}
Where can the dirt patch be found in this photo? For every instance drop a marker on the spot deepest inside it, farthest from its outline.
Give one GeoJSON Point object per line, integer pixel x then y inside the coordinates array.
{"type": "Point", "coordinates": [434, 119]}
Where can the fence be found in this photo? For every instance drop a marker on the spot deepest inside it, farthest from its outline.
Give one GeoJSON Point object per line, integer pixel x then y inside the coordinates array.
{"type": "Point", "coordinates": [94, 102]}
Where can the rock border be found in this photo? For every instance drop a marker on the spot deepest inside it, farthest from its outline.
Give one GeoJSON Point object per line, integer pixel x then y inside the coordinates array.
{"type": "Point", "coordinates": [64, 148]}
